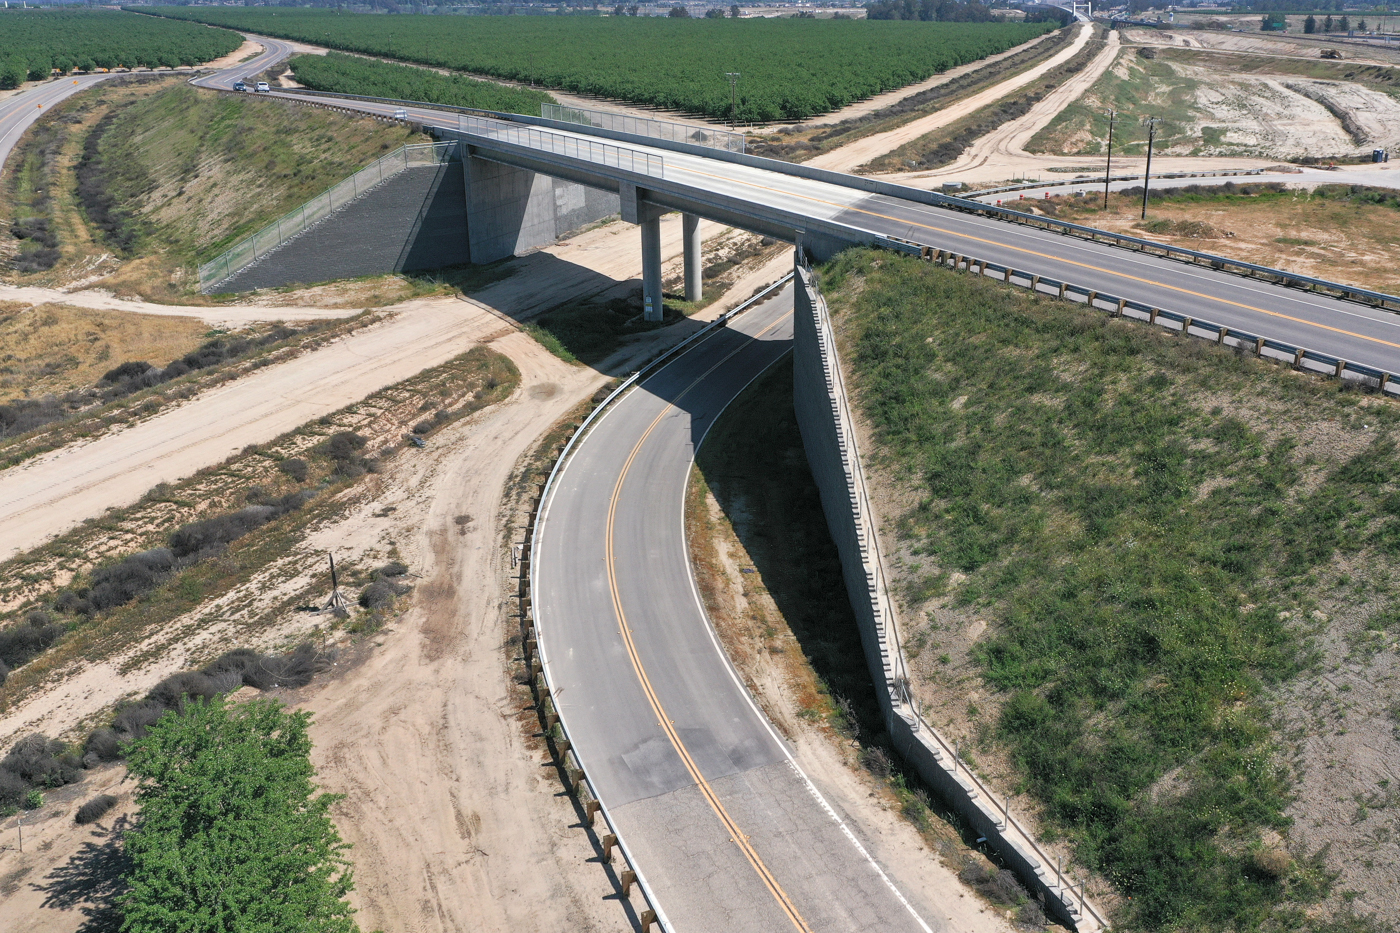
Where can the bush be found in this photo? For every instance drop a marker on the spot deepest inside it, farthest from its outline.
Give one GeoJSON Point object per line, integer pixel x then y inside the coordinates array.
{"type": "Point", "coordinates": [295, 468]}
{"type": "Point", "coordinates": [263, 672]}
{"type": "Point", "coordinates": [129, 578]}
{"type": "Point", "coordinates": [94, 809]}
{"type": "Point", "coordinates": [4, 673]}
{"type": "Point", "coordinates": [133, 721]}
{"type": "Point", "coordinates": [377, 595]}
{"type": "Point", "coordinates": [392, 569]}
{"type": "Point", "coordinates": [21, 643]}
{"type": "Point", "coordinates": [42, 762]}
{"type": "Point", "coordinates": [209, 536]}
{"type": "Point", "coordinates": [343, 445]}
{"type": "Point", "coordinates": [102, 745]}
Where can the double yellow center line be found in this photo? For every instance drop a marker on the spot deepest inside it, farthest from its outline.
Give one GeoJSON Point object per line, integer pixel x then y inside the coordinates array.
{"type": "Point", "coordinates": [785, 903]}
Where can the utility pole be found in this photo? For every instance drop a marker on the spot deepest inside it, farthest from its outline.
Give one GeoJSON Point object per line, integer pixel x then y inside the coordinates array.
{"type": "Point", "coordinates": [1147, 173]}
{"type": "Point", "coordinates": [733, 77]}
{"type": "Point", "coordinates": [1108, 164]}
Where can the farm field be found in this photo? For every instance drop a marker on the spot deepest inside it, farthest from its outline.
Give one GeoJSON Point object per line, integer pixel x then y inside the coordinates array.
{"type": "Point", "coordinates": [350, 74]}
{"type": "Point", "coordinates": [1149, 584]}
{"type": "Point", "coordinates": [35, 42]}
{"type": "Point", "coordinates": [791, 69]}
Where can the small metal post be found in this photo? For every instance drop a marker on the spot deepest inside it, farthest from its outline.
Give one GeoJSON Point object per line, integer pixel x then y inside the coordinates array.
{"type": "Point", "coordinates": [1147, 173]}
{"type": "Point", "coordinates": [1108, 163]}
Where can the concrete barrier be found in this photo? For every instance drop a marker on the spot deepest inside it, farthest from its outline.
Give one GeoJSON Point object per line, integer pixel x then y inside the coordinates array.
{"type": "Point", "coordinates": [829, 438]}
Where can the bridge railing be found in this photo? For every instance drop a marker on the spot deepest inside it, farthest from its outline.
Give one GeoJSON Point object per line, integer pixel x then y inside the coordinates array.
{"type": "Point", "coordinates": [249, 250]}
{"type": "Point", "coordinates": [646, 126]}
{"type": "Point", "coordinates": [591, 150]}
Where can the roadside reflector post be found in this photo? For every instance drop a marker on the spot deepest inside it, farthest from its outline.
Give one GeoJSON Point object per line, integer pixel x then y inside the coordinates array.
{"type": "Point", "coordinates": [609, 840]}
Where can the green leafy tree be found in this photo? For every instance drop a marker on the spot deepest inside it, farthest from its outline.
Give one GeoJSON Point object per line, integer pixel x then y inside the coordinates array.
{"type": "Point", "coordinates": [232, 835]}
{"type": "Point", "coordinates": [1310, 24]}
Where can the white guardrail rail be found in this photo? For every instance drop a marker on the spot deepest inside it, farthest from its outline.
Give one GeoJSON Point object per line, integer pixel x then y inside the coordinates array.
{"type": "Point", "coordinates": [574, 147]}
{"type": "Point", "coordinates": [249, 250]}
{"type": "Point", "coordinates": [646, 126]}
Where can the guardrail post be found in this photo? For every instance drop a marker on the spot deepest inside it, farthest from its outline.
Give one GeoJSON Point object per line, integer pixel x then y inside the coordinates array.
{"type": "Point", "coordinates": [1063, 286]}
{"type": "Point", "coordinates": [1091, 298]}
{"type": "Point", "coordinates": [1258, 346]}
{"type": "Point", "coordinates": [628, 878]}
{"type": "Point", "coordinates": [1298, 357]}
{"type": "Point", "coordinates": [1186, 327]}
{"type": "Point", "coordinates": [1385, 381]}
{"type": "Point", "coordinates": [1152, 318]}
{"type": "Point", "coordinates": [1122, 303]}
{"type": "Point", "coordinates": [1341, 366]}
{"type": "Point", "coordinates": [1007, 276]}
{"type": "Point", "coordinates": [1220, 335]}
{"type": "Point", "coordinates": [609, 840]}
{"type": "Point", "coordinates": [1035, 283]}
{"type": "Point", "coordinates": [647, 918]}
{"type": "Point", "coordinates": [590, 810]}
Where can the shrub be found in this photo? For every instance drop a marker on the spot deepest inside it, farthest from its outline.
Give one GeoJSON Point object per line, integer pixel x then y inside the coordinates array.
{"type": "Point", "coordinates": [343, 445]}
{"type": "Point", "coordinates": [42, 762]}
{"type": "Point", "coordinates": [102, 745]}
{"type": "Point", "coordinates": [208, 537]}
{"type": "Point", "coordinates": [392, 569]}
{"type": "Point", "coordinates": [4, 673]}
{"type": "Point", "coordinates": [377, 595]}
{"type": "Point", "coordinates": [21, 643]}
{"type": "Point", "coordinates": [422, 427]}
{"type": "Point", "coordinates": [12, 791]}
{"type": "Point", "coordinates": [263, 672]}
{"type": "Point", "coordinates": [94, 809]}
{"type": "Point", "coordinates": [131, 369]}
{"type": "Point", "coordinates": [133, 576]}
{"type": "Point", "coordinates": [134, 720]}
{"type": "Point", "coordinates": [295, 468]}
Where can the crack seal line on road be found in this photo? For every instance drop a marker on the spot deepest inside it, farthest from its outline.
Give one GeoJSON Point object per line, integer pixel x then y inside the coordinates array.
{"type": "Point", "coordinates": [738, 837]}
{"type": "Point", "coordinates": [1049, 256]}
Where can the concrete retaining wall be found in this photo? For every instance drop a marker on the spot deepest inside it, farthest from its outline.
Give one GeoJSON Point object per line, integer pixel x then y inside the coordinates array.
{"type": "Point", "coordinates": [828, 435]}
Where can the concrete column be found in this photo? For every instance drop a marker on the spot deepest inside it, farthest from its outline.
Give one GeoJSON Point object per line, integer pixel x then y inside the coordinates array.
{"type": "Point", "coordinates": [651, 268]}
{"type": "Point", "coordinates": [690, 224]}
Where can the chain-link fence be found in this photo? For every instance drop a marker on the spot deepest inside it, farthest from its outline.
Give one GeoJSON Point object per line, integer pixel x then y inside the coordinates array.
{"type": "Point", "coordinates": [645, 126]}
{"type": "Point", "coordinates": [590, 150]}
{"type": "Point", "coordinates": [246, 252]}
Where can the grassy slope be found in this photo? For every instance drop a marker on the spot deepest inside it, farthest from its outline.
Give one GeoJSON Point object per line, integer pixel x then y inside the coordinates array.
{"type": "Point", "coordinates": [1132, 514]}
{"type": "Point", "coordinates": [188, 171]}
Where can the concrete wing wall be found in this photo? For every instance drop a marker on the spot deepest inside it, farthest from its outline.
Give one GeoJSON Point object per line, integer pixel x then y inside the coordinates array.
{"type": "Point", "coordinates": [829, 438]}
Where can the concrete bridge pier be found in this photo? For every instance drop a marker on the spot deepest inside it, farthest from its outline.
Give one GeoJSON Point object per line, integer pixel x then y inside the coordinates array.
{"type": "Point", "coordinates": [648, 217]}
{"type": "Point", "coordinates": [690, 225]}
{"type": "Point", "coordinates": [652, 299]}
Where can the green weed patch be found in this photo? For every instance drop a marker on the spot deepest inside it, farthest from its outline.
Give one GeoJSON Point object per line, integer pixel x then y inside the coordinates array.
{"type": "Point", "coordinates": [1139, 515]}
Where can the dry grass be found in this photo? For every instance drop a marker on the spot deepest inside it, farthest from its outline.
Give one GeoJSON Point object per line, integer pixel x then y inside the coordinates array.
{"type": "Point", "coordinates": [54, 348]}
{"type": "Point", "coordinates": [1331, 238]}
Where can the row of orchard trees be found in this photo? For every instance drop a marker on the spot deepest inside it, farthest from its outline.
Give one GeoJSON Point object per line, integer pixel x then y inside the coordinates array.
{"type": "Point", "coordinates": [36, 43]}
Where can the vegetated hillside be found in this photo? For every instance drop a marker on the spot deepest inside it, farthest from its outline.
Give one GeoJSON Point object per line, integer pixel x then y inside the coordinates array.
{"type": "Point", "coordinates": [791, 68]}
{"type": "Point", "coordinates": [351, 74]}
{"type": "Point", "coordinates": [156, 177]}
{"type": "Point", "coordinates": [1220, 104]}
{"type": "Point", "coordinates": [1149, 582]}
{"type": "Point", "coordinates": [33, 43]}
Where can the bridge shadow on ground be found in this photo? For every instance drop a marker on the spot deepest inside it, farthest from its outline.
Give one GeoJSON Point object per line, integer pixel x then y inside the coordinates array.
{"type": "Point", "coordinates": [91, 881]}
{"type": "Point", "coordinates": [600, 324]}
{"type": "Point", "coordinates": [755, 465]}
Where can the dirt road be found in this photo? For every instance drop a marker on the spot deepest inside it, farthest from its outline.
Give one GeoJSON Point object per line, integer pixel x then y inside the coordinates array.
{"type": "Point", "coordinates": [1007, 142]}
{"type": "Point", "coordinates": [49, 494]}
{"type": "Point", "coordinates": [862, 151]}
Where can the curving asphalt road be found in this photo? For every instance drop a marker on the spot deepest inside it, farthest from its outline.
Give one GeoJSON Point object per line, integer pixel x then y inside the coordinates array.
{"type": "Point", "coordinates": [729, 832]}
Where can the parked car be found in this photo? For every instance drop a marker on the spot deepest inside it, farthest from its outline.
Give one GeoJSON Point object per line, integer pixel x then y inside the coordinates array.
{"type": "Point", "coordinates": [263, 88]}
{"type": "Point", "coordinates": [401, 114]}
{"type": "Point", "coordinates": [240, 86]}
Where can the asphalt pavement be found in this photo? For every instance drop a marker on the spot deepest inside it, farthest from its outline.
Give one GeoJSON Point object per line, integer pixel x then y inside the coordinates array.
{"type": "Point", "coordinates": [728, 832]}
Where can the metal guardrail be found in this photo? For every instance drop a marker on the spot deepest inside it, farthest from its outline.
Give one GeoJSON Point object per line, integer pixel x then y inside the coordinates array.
{"type": "Point", "coordinates": [248, 251]}
{"type": "Point", "coordinates": [646, 126]}
{"type": "Point", "coordinates": [534, 529]}
{"type": "Point", "coordinates": [629, 160]}
{"type": "Point", "coordinates": [1300, 358]}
